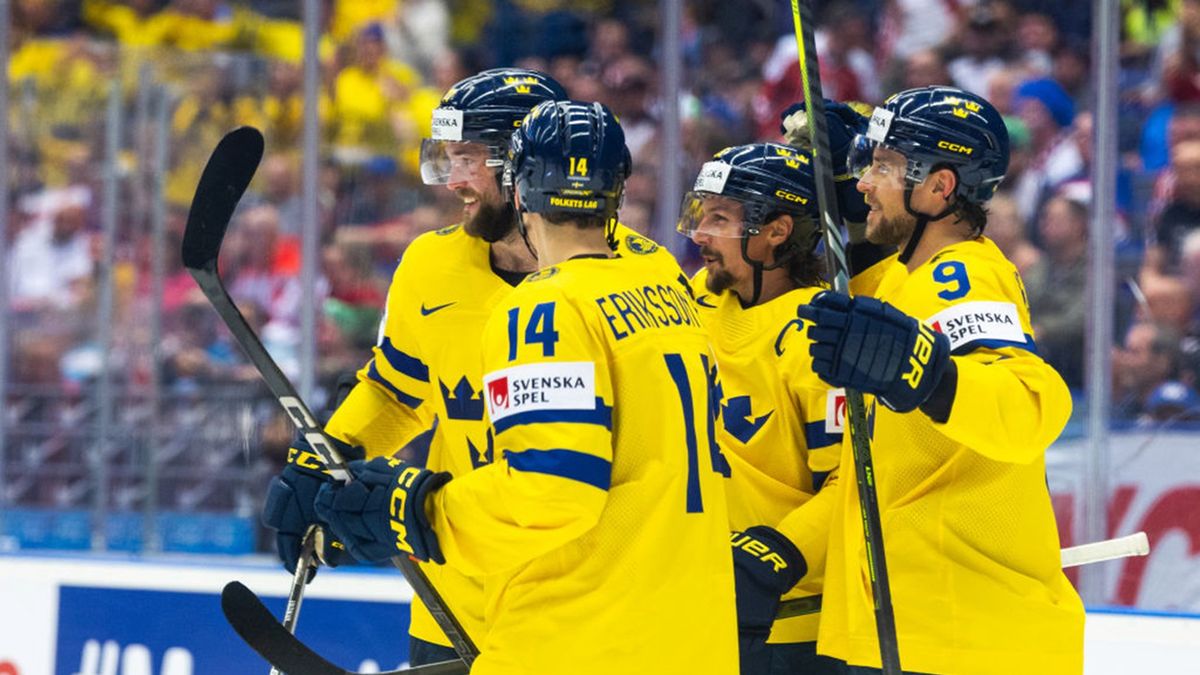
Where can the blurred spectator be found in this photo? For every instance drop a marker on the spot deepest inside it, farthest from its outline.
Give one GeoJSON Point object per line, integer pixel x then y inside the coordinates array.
{"type": "Point", "coordinates": [1148, 358]}
{"type": "Point", "coordinates": [1007, 230]}
{"type": "Point", "coordinates": [356, 298]}
{"type": "Point", "coordinates": [1181, 214]}
{"type": "Point", "coordinates": [261, 266]}
{"type": "Point", "coordinates": [418, 32]}
{"type": "Point", "coordinates": [1173, 401]}
{"type": "Point", "coordinates": [1056, 285]}
{"type": "Point", "coordinates": [926, 68]}
{"type": "Point", "coordinates": [1048, 114]}
{"type": "Point", "coordinates": [50, 265]}
{"type": "Point", "coordinates": [1037, 41]}
{"type": "Point", "coordinates": [193, 25]}
{"type": "Point", "coordinates": [278, 112]}
{"type": "Point", "coordinates": [280, 188]}
{"type": "Point", "coordinates": [984, 42]}
{"type": "Point", "coordinates": [909, 26]}
{"type": "Point", "coordinates": [126, 21]}
{"type": "Point", "coordinates": [1178, 56]}
{"type": "Point", "coordinates": [1169, 301]}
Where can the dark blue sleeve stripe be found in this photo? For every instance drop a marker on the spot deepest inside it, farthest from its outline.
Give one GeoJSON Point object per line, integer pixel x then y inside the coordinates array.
{"type": "Point", "coordinates": [407, 399]}
{"type": "Point", "coordinates": [600, 415]}
{"type": "Point", "coordinates": [818, 479]}
{"type": "Point", "coordinates": [404, 363]}
{"type": "Point", "coordinates": [968, 347]}
{"type": "Point", "coordinates": [570, 464]}
{"type": "Point", "coordinates": [816, 437]}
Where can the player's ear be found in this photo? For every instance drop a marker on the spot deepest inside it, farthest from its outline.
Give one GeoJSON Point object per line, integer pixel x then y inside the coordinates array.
{"type": "Point", "coordinates": [779, 229]}
{"type": "Point", "coordinates": [943, 183]}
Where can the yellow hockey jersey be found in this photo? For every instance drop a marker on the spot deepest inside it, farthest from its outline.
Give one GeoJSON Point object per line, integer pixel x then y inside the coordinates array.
{"type": "Point", "coordinates": [971, 542]}
{"type": "Point", "coordinates": [601, 526]}
{"type": "Point", "coordinates": [780, 427]}
{"type": "Point", "coordinates": [428, 365]}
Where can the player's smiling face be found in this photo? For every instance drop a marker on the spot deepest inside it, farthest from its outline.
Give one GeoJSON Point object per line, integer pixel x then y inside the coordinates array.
{"type": "Point", "coordinates": [882, 185]}
{"type": "Point", "coordinates": [475, 184]}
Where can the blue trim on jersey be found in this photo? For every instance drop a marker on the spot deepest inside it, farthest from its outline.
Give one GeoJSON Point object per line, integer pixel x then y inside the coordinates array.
{"type": "Point", "coordinates": [407, 399]}
{"type": "Point", "coordinates": [816, 437]}
{"type": "Point", "coordinates": [600, 415]}
{"type": "Point", "coordinates": [404, 363]}
{"type": "Point", "coordinates": [570, 464]}
{"type": "Point", "coordinates": [968, 347]}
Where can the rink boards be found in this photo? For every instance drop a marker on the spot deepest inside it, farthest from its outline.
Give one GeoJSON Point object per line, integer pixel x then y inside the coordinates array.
{"type": "Point", "coordinates": [64, 615]}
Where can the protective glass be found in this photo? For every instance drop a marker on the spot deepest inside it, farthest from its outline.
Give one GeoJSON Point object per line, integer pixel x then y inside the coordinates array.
{"type": "Point", "coordinates": [445, 162]}
{"type": "Point", "coordinates": [868, 168]}
{"type": "Point", "coordinates": [711, 215]}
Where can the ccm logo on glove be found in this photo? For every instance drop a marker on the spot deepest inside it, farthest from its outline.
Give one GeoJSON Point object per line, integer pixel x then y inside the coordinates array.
{"type": "Point", "coordinates": [404, 482]}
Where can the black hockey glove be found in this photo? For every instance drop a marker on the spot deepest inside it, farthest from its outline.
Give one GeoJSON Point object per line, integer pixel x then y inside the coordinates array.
{"type": "Point", "coordinates": [289, 507]}
{"type": "Point", "coordinates": [864, 344]}
{"type": "Point", "coordinates": [381, 512]}
{"type": "Point", "coordinates": [765, 566]}
{"type": "Point", "coordinates": [844, 122]}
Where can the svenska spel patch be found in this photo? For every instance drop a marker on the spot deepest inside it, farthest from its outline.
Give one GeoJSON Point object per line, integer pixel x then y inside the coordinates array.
{"type": "Point", "coordinates": [712, 178]}
{"type": "Point", "coordinates": [835, 411]}
{"type": "Point", "coordinates": [447, 125]}
{"type": "Point", "coordinates": [569, 385]}
{"type": "Point", "coordinates": [969, 322]}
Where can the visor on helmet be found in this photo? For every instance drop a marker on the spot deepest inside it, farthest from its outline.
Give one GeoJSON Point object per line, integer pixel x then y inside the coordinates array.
{"type": "Point", "coordinates": [863, 165]}
{"type": "Point", "coordinates": [711, 215]}
{"type": "Point", "coordinates": [444, 161]}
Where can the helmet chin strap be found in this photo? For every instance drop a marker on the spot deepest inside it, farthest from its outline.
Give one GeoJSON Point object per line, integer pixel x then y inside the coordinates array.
{"type": "Point", "coordinates": [520, 215]}
{"type": "Point", "coordinates": [783, 253]}
{"type": "Point", "coordinates": [923, 219]}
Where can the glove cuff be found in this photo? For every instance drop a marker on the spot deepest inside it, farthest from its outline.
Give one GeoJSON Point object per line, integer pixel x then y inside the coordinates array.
{"type": "Point", "coordinates": [939, 403]}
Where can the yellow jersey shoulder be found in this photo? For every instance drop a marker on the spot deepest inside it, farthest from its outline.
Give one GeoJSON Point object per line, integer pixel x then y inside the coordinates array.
{"type": "Point", "coordinates": [973, 294]}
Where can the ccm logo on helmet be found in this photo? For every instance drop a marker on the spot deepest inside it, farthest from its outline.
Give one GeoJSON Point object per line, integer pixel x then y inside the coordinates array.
{"type": "Point", "coordinates": [955, 147]}
{"type": "Point", "coordinates": [783, 194]}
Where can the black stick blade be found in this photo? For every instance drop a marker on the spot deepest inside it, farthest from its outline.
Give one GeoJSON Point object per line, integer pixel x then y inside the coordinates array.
{"type": "Point", "coordinates": [263, 632]}
{"type": "Point", "coordinates": [259, 628]}
{"type": "Point", "coordinates": [228, 172]}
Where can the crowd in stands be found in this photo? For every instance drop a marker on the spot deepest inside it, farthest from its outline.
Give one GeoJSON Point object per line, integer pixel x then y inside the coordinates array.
{"type": "Point", "coordinates": [216, 64]}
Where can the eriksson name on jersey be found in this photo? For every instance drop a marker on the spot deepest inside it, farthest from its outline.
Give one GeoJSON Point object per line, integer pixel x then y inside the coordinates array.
{"type": "Point", "coordinates": [636, 309]}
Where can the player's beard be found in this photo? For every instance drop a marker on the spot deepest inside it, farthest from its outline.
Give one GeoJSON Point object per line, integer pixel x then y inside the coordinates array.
{"type": "Point", "coordinates": [492, 221]}
{"type": "Point", "coordinates": [891, 231]}
{"type": "Point", "coordinates": [720, 278]}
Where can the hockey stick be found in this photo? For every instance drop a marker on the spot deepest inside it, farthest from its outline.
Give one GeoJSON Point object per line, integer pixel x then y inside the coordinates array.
{"type": "Point", "coordinates": [222, 184]}
{"type": "Point", "coordinates": [284, 651]}
{"type": "Point", "coordinates": [304, 564]}
{"type": "Point", "coordinates": [856, 415]}
{"type": "Point", "coordinates": [1073, 556]}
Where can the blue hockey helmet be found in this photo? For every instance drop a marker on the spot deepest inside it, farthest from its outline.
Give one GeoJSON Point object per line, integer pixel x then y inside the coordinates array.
{"type": "Point", "coordinates": [936, 127]}
{"type": "Point", "coordinates": [484, 108]}
{"type": "Point", "coordinates": [569, 158]}
{"type": "Point", "coordinates": [767, 179]}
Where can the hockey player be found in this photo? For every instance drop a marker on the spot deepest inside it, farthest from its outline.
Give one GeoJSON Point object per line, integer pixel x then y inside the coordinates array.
{"type": "Point", "coordinates": [961, 411]}
{"type": "Point", "coordinates": [753, 214]}
{"type": "Point", "coordinates": [427, 364]}
{"type": "Point", "coordinates": [601, 526]}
